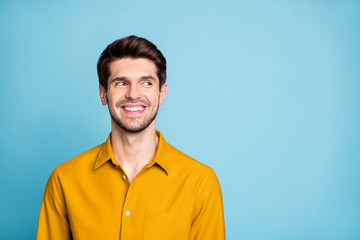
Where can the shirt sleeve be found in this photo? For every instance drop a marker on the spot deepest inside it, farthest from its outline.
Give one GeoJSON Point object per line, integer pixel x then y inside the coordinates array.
{"type": "Point", "coordinates": [53, 220]}
{"type": "Point", "coordinates": [208, 222]}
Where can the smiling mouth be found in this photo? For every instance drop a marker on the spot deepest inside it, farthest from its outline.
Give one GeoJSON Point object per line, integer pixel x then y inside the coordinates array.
{"type": "Point", "coordinates": [133, 109]}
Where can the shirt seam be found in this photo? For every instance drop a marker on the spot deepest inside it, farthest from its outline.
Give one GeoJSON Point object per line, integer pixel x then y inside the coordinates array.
{"type": "Point", "coordinates": [63, 208]}
{"type": "Point", "coordinates": [202, 183]}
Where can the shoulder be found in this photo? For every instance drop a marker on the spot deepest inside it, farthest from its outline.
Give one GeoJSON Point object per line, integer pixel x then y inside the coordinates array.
{"type": "Point", "coordinates": [82, 162]}
{"type": "Point", "coordinates": [184, 163]}
{"type": "Point", "coordinates": [189, 171]}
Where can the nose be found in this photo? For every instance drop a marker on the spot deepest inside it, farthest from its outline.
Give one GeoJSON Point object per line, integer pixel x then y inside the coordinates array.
{"type": "Point", "coordinates": [133, 92]}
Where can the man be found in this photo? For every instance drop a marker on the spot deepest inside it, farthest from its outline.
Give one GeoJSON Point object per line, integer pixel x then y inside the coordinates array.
{"type": "Point", "coordinates": [135, 185]}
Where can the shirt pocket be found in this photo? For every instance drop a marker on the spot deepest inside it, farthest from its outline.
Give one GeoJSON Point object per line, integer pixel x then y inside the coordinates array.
{"type": "Point", "coordinates": [166, 226]}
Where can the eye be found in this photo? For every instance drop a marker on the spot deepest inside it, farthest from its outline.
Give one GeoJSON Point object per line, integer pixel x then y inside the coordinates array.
{"type": "Point", "coordinates": [120, 84]}
{"type": "Point", "coordinates": [147, 83]}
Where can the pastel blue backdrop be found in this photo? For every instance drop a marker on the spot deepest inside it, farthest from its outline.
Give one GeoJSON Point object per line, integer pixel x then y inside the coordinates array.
{"type": "Point", "coordinates": [265, 92]}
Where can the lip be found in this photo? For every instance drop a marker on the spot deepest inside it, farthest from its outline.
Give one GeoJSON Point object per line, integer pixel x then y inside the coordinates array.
{"type": "Point", "coordinates": [133, 109]}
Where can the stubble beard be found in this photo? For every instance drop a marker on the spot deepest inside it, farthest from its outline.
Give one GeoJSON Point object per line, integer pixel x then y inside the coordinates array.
{"type": "Point", "coordinates": [136, 128]}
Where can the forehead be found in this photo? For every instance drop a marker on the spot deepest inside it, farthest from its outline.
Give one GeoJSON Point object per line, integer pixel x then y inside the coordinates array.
{"type": "Point", "coordinates": [132, 68]}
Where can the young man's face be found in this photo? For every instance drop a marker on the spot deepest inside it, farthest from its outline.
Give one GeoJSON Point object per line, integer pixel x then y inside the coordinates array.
{"type": "Point", "coordinates": [133, 94]}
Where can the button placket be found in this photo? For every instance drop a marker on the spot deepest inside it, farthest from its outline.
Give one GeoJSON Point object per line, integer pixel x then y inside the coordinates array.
{"type": "Point", "coordinates": [128, 201]}
{"type": "Point", "coordinates": [129, 211]}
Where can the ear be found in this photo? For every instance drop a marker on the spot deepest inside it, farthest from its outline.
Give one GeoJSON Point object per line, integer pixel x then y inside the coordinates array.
{"type": "Point", "coordinates": [102, 93]}
{"type": "Point", "coordinates": [163, 92]}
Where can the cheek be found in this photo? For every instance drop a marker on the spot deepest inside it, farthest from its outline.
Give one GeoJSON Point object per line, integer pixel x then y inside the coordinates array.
{"type": "Point", "coordinates": [112, 97]}
{"type": "Point", "coordinates": [151, 96]}
{"type": "Point", "coordinates": [111, 103]}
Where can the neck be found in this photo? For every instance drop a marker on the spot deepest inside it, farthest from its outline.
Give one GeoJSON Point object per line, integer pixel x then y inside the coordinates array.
{"type": "Point", "coordinates": [133, 150]}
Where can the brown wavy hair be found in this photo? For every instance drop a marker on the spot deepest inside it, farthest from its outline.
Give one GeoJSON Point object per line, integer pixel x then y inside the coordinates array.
{"type": "Point", "coordinates": [132, 47]}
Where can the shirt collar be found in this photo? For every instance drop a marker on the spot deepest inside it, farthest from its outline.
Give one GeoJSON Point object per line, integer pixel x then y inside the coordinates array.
{"type": "Point", "coordinates": [106, 154]}
{"type": "Point", "coordinates": [162, 154]}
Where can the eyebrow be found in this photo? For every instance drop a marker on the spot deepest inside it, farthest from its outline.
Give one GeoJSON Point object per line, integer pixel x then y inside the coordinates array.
{"type": "Point", "coordinates": [118, 79]}
{"type": "Point", "coordinates": [149, 77]}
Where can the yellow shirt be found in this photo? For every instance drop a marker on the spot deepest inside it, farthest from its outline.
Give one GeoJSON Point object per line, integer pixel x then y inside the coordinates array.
{"type": "Point", "coordinates": [174, 197]}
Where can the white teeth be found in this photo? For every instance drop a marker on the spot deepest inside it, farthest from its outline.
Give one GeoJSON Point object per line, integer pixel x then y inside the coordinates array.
{"type": "Point", "coordinates": [133, 109]}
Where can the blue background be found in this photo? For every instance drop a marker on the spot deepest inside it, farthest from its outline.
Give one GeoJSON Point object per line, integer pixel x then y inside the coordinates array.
{"type": "Point", "coordinates": [265, 92]}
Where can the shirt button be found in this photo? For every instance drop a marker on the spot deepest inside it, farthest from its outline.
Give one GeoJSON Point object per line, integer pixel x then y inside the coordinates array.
{"type": "Point", "coordinates": [124, 177]}
{"type": "Point", "coordinates": [127, 213]}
